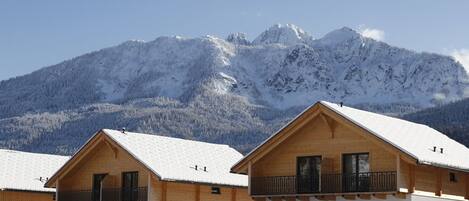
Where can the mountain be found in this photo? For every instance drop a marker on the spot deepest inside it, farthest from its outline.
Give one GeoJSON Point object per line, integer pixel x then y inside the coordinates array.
{"type": "Point", "coordinates": [452, 119]}
{"type": "Point", "coordinates": [231, 91]}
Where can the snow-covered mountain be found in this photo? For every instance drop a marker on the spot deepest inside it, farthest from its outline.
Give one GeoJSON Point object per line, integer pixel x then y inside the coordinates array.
{"type": "Point", "coordinates": [246, 86]}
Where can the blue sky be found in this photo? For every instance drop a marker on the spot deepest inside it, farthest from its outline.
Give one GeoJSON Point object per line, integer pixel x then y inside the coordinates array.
{"type": "Point", "coordinates": [34, 34]}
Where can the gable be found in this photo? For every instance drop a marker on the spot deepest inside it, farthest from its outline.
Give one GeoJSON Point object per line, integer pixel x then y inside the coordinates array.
{"type": "Point", "coordinates": [316, 139]}
{"type": "Point", "coordinates": [99, 145]}
{"type": "Point", "coordinates": [318, 113]}
{"type": "Point", "coordinates": [105, 158]}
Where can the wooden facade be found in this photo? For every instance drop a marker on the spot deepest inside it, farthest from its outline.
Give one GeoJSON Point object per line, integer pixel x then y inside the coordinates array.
{"type": "Point", "coordinates": [322, 133]}
{"type": "Point", "coordinates": [101, 155]}
{"type": "Point", "coordinates": [25, 196]}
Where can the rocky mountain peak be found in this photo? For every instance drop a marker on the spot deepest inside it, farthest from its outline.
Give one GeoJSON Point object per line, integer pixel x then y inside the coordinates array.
{"type": "Point", "coordinates": [288, 34]}
{"type": "Point", "coordinates": [238, 38]}
{"type": "Point", "coordinates": [339, 36]}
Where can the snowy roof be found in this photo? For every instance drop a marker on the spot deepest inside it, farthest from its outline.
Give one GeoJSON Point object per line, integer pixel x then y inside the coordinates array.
{"type": "Point", "coordinates": [417, 140]}
{"type": "Point", "coordinates": [27, 171]}
{"type": "Point", "coordinates": [174, 159]}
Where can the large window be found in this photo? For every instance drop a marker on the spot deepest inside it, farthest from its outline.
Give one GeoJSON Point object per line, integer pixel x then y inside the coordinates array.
{"type": "Point", "coordinates": [356, 172]}
{"type": "Point", "coordinates": [308, 174]}
{"type": "Point", "coordinates": [130, 186]}
{"type": "Point", "coordinates": [97, 186]}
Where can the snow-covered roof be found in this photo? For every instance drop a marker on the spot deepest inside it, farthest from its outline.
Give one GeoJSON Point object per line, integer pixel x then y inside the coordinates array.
{"type": "Point", "coordinates": [413, 139]}
{"type": "Point", "coordinates": [417, 140]}
{"type": "Point", "coordinates": [25, 171]}
{"type": "Point", "coordinates": [174, 159]}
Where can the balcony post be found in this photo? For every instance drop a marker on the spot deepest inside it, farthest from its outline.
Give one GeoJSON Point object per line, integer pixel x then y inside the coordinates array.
{"type": "Point", "coordinates": [467, 186]}
{"type": "Point", "coordinates": [439, 185]}
{"type": "Point", "coordinates": [163, 191]}
{"type": "Point", "coordinates": [233, 194]}
{"type": "Point", "coordinates": [398, 173]}
{"type": "Point", "coordinates": [197, 192]}
{"type": "Point", "coordinates": [411, 186]}
{"type": "Point", "coordinates": [249, 177]}
{"type": "Point", "coordinates": [149, 195]}
{"type": "Point", "coordinates": [57, 190]}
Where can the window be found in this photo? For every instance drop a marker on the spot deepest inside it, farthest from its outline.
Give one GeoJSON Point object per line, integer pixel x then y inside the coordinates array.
{"type": "Point", "coordinates": [356, 168]}
{"type": "Point", "coordinates": [216, 190]}
{"type": "Point", "coordinates": [130, 186]}
{"type": "Point", "coordinates": [97, 186]}
{"type": "Point", "coordinates": [452, 177]}
{"type": "Point", "coordinates": [308, 171]}
{"type": "Point", "coordinates": [355, 163]}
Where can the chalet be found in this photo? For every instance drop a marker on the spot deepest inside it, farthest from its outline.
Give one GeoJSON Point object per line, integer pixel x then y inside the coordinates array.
{"type": "Point", "coordinates": [22, 175]}
{"type": "Point", "coordinates": [125, 166]}
{"type": "Point", "coordinates": [334, 152]}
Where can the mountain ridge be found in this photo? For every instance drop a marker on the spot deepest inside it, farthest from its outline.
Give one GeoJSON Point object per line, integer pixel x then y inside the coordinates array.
{"type": "Point", "coordinates": [235, 90]}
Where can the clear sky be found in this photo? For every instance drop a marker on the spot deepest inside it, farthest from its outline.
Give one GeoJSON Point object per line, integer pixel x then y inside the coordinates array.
{"type": "Point", "coordinates": [34, 34]}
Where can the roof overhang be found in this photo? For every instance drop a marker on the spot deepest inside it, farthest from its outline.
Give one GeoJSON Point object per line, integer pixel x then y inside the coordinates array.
{"type": "Point", "coordinates": [26, 191]}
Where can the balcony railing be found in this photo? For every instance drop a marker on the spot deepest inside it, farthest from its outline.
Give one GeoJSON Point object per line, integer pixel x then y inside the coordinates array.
{"type": "Point", "coordinates": [108, 194]}
{"type": "Point", "coordinates": [324, 184]}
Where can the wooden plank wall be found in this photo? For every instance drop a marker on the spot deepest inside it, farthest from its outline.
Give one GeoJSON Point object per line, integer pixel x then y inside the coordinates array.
{"type": "Point", "coordinates": [315, 138]}
{"type": "Point", "coordinates": [173, 191]}
{"type": "Point", "coordinates": [25, 196]}
{"type": "Point", "coordinates": [103, 160]}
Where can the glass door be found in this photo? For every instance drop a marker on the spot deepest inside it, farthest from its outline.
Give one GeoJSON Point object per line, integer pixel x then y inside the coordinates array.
{"type": "Point", "coordinates": [97, 187]}
{"type": "Point", "coordinates": [130, 186]}
{"type": "Point", "coordinates": [356, 172]}
{"type": "Point", "coordinates": [308, 174]}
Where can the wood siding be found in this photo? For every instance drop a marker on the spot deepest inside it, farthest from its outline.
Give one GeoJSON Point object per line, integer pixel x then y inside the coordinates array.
{"type": "Point", "coordinates": [324, 133]}
{"type": "Point", "coordinates": [106, 157]}
{"type": "Point", "coordinates": [315, 139]}
{"type": "Point", "coordinates": [103, 160]}
{"type": "Point", "coordinates": [25, 196]}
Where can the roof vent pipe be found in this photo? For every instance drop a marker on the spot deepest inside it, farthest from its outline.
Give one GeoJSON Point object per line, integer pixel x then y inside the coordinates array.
{"type": "Point", "coordinates": [195, 167]}
{"type": "Point", "coordinates": [434, 149]}
{"type": "Point", "coordinates": [205, 168]}
{"type": "Point", "coordinates": [441, 150]}
{"type": "Point", "coordinates": [123, 129]}
{"type": "Point", "coordinates": [341, 104]}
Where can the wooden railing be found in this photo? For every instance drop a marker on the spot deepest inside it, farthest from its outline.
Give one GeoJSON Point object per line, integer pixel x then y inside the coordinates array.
{"type": "Point", "coordinates": [324, 184]}
{"type": "Point", "coordinates": [107, 194]}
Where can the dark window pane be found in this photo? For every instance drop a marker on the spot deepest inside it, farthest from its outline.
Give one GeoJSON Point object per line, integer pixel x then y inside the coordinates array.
{"type": "Point", "coordinates": [97, 185]}
{"type": "Point", "coordinates": [308, 171]}
{"type": "Point", "coordinates": [130, 186]}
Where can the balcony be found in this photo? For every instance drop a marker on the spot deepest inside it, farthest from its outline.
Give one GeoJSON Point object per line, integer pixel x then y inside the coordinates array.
{"type": "Point", "coordinates": [325, 184]}
{"type": "Point", "coordinates": [107, 194]}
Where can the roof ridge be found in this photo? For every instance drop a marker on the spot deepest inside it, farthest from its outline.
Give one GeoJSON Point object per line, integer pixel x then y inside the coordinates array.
{"type": "Point", "coordinates": [373, 113]}
{"type": "Point", "coordinates": [31, 153]}
{"type": "Point", "coordinates": [168, 137]}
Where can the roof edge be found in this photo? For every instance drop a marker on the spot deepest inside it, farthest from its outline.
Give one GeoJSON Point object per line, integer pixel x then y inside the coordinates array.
{"type": "Point", "coordinates": [202, 183]}
{"type": "Point", "coordinates": [53, 177]}
{"type": "Point", "coordinates": [31, 191]}
{"type": "Point", "coordinates": [272, 136]}
{"type": "Point", "coordinates": [131, 154]}
{"type": "Point", "coordinates": [369, 131]}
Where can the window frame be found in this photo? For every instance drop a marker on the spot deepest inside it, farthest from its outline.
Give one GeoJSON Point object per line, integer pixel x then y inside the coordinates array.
{"type": "Point", "coordinates": [357, 164]}
{"type": "Point", "coordinates": [132, 187]}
